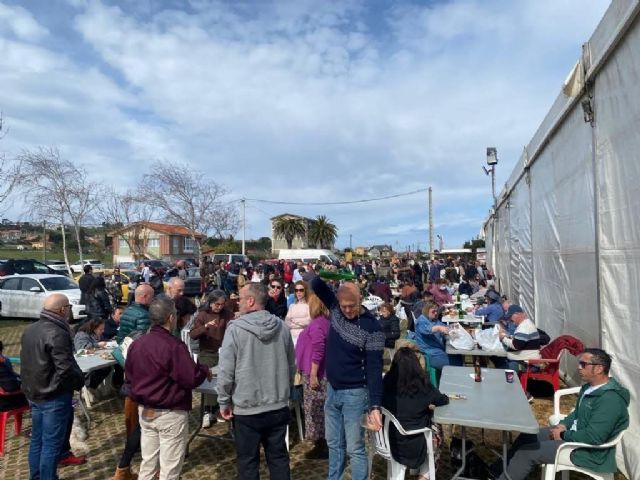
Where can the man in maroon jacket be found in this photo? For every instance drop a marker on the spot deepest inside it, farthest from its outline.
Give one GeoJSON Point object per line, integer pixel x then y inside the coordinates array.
{"type": "Point", "coordinates": [161, 376]}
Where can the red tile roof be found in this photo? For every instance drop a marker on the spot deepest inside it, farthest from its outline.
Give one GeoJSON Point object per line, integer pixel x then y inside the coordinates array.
{"type": "Point", "coordinates": [165, 228]}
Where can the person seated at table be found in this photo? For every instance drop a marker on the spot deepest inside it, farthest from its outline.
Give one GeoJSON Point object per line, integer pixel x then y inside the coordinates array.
{"type": "Point", "coordinates": [112, 323]}
{"type": "Point", "coordinates": [464, 287]}
{"type": "Point", "coordinates": [88, 338]}
{"type": "Point", "coordinates": [440, 293]}
{"type": "Point", "coordinates": [390, 325]}
{"type": "Point", "coordinates": [411, 398]}
{"type": "Point", "coordinates": [600, 414]}
{"type": "Point", "coordinates": [430, 336]}
{"type": "Point", "coordinates": [10, 383]}
{"type": "Point", "coordinates": [482, 290]}
{"type": "Point", "coordinates": [522, 345]}
{"type": "Point", "coordinates": [493, 310]}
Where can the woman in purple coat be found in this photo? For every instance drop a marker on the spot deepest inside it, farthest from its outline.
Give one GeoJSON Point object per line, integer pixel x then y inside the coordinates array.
{"type": "Point", "coordinates": [310, 358]}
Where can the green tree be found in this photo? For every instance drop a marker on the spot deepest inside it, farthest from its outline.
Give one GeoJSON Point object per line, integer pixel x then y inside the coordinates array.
{"type": "Point", "coordinates": [474, 244]}
{"type": "Point", "coordinates": [289, 228]}
{"type": "Point", "coordinates": [322, 232]}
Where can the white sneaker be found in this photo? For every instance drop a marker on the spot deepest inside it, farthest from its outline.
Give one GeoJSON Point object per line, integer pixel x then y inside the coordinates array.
{"type": "Point", "coordinates": [206, 420]}
{"type": "Point", "coordinates": [88, 397]}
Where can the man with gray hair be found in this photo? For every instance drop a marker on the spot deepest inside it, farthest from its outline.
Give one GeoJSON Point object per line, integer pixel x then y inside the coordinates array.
{"type": "Point", "coordinates": [255, 374]}
{"type": "Point", "coordinates": [184, 307]}
{"type": "Point", "coordinates": [161, 376]}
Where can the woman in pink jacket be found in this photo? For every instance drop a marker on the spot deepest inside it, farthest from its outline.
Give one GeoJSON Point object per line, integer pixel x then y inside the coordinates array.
{"type": "Point", "coordinates": [310, 358]}
{"type": "Point", "coordinates": [298, 314]}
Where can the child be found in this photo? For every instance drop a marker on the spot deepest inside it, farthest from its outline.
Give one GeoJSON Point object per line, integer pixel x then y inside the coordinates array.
{"type": "Point", "coordinates": [411, 398]}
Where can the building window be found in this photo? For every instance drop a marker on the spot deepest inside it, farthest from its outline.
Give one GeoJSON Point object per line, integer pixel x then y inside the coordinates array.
{"type": "Point", "coordinates": [123, 243]}
{"type": "Point", "coordinates": [153, 243]}
{"type": "Point", "coordinates": [175, 244]}
{"type": "Point", "coordinates": [189, 245]}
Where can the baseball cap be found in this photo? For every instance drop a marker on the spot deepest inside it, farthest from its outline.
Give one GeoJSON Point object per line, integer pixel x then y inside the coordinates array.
{"type": "Point", "coordinates": [513, 309]}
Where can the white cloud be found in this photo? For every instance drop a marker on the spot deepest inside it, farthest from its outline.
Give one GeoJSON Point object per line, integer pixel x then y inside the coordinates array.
{"type": "Point", "coordinates": [16, 21]}
{"type": "Point", "coordinates": [304, 100]}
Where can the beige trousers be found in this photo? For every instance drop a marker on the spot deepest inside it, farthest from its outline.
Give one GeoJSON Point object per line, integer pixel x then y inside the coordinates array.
{"type": "Point", "coordinates": [163, 444]}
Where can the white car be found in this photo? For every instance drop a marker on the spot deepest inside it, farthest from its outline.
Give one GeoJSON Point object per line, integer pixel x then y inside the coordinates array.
{"type": "Point", "coordinates": [79, 267]}
{"type": "Point", "coordinates": [57, 265]}
{"type": "Point", "coordinates": [22, 296]}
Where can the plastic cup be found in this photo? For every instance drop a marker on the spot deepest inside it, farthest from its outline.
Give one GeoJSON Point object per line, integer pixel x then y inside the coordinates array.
{"type": "Point", "coordinates": [509, 375]}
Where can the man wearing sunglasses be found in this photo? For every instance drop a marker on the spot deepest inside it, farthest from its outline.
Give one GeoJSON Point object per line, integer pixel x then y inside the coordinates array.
{"type": "Point", "coordinates": [601, 413]}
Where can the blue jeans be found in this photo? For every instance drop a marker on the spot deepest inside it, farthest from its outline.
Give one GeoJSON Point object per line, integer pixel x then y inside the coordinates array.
{"type": "Point", "coordinates": [48, 433]}
{"type": "Point", "coordinates": [343, 411]}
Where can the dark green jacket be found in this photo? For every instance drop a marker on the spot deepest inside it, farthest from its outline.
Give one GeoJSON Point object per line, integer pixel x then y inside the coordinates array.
{"type": "Point", "coordinates": [134, 318]}
{"type": "Point", "coordinates": [601, 415]}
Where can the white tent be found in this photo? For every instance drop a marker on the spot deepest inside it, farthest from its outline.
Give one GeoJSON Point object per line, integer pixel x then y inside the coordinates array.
{"type": "Point", "coordinates": [564, 241]}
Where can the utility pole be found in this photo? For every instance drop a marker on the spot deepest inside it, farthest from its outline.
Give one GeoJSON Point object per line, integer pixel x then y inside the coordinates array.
{"type": "Point", "coordinates": [44, 242]}
{"type": "Point", "coordinates": [244, 223]}
{"type": "Point", "coordinates": [350, 242]}
{"type": "Point", "coordinates": [430, 224]}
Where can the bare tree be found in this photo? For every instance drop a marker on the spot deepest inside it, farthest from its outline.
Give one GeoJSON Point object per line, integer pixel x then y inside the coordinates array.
{"type": "Point", "coordinates": [55, 190]}
{"type": "Point", "coordinates": [9, 169]}
{"type": "Point", "coordinates": [129, 210]}
{"type": "Point", "coordinates": [187, 198]}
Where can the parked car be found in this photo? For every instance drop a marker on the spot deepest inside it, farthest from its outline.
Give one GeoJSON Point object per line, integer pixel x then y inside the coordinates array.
{"type": "Point", "coordinates": [23, 266]}
{"type": "Point", "coordinates": [58, 266]}
{"type": "Point", "coordinates": [79, 267]}
{"type": "Point", "coordinates": [22, 296]}
{"type": "Point", "coordinates": [159, 265]}
{"type": "Point", "coordinates": [193, 283]}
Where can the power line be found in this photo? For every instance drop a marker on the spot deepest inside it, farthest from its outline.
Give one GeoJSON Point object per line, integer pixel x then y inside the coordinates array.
{"type": "Point", "coordinates": [348, 202]}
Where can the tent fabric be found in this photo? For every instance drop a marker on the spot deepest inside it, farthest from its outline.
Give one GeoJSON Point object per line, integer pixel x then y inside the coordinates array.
{"type": "Point", "coordinates": [565, 240]}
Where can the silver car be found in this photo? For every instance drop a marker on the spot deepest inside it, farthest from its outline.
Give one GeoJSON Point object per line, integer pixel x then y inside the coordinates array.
{"type": "Point", "coordinates": [22, 296]}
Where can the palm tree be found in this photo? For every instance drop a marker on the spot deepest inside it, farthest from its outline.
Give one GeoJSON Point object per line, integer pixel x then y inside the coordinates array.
{"type": "Point", "coordinates": [289, 228]}
{"type": "Point", "coordinates": [322, 233]}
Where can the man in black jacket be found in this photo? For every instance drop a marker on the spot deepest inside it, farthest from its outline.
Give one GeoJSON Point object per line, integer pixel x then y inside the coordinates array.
{"type": "Point", "coordinates": [50, 374]}
{"type": "Point", "coordinates": [85, 282]}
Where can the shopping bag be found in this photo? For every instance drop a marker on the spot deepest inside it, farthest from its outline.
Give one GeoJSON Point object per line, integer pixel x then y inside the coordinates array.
{"type": "Point", "coordinates": [489, 339]}
{"type": "Point", "coordinates": [459, 338]}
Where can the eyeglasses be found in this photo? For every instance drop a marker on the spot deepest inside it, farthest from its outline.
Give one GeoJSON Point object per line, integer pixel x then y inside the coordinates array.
{"type": "Point", "coordinates": [276, 287]}
{"type": "Point", "coordinates": [219, 304]}
{"type": "Point", "coordinates": [582, 364]}
{"type": "Point", "coordinates": [299, 289]}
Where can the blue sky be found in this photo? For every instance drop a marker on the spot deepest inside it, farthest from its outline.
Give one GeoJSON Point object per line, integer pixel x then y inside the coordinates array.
{"type": "Point", "coordinates": [299, 101]}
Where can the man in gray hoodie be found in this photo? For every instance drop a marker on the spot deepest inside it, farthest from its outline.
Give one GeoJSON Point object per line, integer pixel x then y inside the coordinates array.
{"type": "Point", "coordinates": [255, 374]}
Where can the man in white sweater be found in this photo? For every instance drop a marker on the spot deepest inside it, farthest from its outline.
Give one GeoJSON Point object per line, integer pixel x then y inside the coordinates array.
{"type": "Point", "coordinates": [525, 341]}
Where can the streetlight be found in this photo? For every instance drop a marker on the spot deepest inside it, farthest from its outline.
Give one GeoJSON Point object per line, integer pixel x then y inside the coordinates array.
{"type": "Point", "coordinates": [492, 161]}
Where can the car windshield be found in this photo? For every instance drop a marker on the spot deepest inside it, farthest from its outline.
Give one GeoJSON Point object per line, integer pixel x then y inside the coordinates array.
{"type": "Point", "coordinates": [58, 283]}
{"type": "Point", "coordinates": [193, 272]}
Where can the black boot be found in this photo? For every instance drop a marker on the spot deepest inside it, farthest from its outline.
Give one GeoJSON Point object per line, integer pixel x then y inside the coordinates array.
{"type": "Point", "coordinates": [319, 451]}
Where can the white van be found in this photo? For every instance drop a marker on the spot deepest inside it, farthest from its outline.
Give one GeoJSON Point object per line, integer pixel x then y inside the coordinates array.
{"type": "Point", "coordinates": [307, 255]}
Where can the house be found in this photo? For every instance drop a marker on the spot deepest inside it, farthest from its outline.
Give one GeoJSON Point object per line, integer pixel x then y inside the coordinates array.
{"type": "Point", "coordinates": [361, 251]}
{"type": "Point", "coordinates": [278, 243]}
{"type": "Point", "coordinates": [380, 251]}
{"type": "Point", "coordinates": [10, 235]}
{"type": "Point", "coordinates": [39, 245]}
{"type": "Point", "coordinates": [151, 240]}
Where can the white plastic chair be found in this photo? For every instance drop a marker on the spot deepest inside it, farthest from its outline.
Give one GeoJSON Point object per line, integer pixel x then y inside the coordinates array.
{"type": "Point", "coordinates": [557, 416]}
{"type": "Point", "coordinates": [563, 461]}
{"type": "Point", "coordinates": [380, 446]}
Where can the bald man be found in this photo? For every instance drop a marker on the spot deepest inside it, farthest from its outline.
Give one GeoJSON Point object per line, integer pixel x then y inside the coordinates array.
{"type": "Point", "coordinates": [50, 375]}
{"type": "Point", "coordinates": [136, 316]}
{"type": "Point", "coordinates": [354, 372]}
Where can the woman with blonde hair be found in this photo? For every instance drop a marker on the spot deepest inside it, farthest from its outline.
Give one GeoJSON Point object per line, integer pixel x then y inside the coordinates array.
{"type": "Point", "coordinates": [310, 358]}
{"type": "Point", "coordinates": [298, 316]}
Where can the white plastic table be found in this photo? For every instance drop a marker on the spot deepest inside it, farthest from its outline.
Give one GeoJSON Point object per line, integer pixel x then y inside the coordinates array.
{"type": "Point", "coordinates": [89, 363]}
{"type": "Point", "coordinates": [493, 404]}
{"type": "Point", "coordinates": [476, 352]}
{"type": "Point", "coordinates": [468, 318]}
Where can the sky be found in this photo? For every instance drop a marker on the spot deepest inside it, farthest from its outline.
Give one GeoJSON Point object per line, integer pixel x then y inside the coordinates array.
{"type": "Point", "coordinates": [295, 101]}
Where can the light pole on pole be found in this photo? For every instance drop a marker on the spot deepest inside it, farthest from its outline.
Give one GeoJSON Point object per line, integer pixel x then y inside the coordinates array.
{"type": "Point", "coordinates": [492, 161]}
{"type": "Point", "coordinates": [244, 223]}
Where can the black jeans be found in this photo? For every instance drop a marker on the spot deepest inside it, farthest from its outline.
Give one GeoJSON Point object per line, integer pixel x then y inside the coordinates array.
{"type": "Point", "coordinates": [268, 429]}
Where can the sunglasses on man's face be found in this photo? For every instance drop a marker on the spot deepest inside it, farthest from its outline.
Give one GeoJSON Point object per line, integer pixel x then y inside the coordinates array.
{"type": "Point", "coordinates": [582, 364]}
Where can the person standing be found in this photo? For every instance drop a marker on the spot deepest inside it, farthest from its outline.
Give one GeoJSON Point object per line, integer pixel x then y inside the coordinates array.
{"type": "Point", "coordinates": [136, 316]}
{"type": "Point", "coordinates": [209, 328]}
{"type": "Point", "coordinates": [161, 376]}
{"type": "Point", "coordinates": [298, 317]}
{"type": "Point", "coordinates": [255, 374]}
{"type": "Point", "coordinates": [354, 370]}
{"type": "Point", "coordinates": [184, 306]}
{"type": "Point", "coordinates": [50, 375]}
{"type": "Point", "coordinates": [84, 283]}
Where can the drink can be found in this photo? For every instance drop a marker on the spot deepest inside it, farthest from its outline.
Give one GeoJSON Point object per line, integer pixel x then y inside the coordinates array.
{"type": "Point", "coordinates": [509, 375]}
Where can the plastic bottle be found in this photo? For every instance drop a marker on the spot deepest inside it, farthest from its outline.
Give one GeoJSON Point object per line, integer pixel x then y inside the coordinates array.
{"type": "Point", "coordinates": [336, 274]}
{"type": "Point", "coordinates": [477, 371]}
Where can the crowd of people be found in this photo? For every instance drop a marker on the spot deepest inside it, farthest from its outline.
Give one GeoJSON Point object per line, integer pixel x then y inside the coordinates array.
{"type": "Point", "coordinates": [278, 331]}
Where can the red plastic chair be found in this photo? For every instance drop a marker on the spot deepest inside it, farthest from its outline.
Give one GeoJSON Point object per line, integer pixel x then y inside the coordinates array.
{"type": "Point", "coordinates": [548, 367]}
{"type": "Point", "coordinates": [16, 413]}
